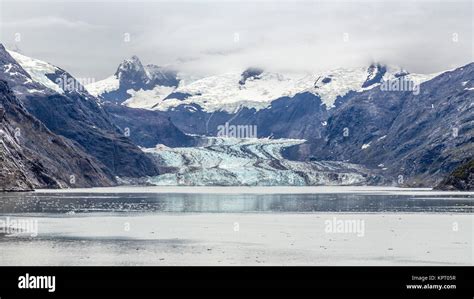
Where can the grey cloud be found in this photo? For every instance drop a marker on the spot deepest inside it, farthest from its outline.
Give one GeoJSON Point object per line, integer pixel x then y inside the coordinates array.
{"type": "Point", "coordinates": [199, 37]}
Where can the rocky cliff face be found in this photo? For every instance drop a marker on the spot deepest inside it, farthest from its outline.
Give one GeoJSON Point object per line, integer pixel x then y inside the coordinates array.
{"type": "Point", "coordinates": [31, 156]}
{"type": "Point", "coordinates": [462, 178]}
{"type": "Point", "coordinates": [148, 128]}
{"type": "Point", "coordinates": [300, 116]}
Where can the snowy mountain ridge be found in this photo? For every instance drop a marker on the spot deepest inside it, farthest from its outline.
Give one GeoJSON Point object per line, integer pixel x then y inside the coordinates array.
{"type": "Point", "coordinates": [251, 88]}
{"type": "Point", "coordinates": [159, 88]}
{"type": "Point", "coordinates": [37, 69]}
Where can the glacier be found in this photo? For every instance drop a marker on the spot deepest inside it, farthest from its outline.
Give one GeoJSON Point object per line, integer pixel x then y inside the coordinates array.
{"type": "Point", "coordinates": [223, 161]}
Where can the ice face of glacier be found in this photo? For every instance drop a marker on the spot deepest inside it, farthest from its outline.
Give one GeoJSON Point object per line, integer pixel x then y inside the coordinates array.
{"type": "Point", "coordinates": [248, 162]}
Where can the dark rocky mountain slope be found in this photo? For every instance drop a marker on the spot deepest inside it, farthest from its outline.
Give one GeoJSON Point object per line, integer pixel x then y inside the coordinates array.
{"type": "Point", "coordinates": [70, 111]}
{"type": "Point", "coordinates": [462, 178]}
{"type": "Point", "coordinates": [31, 156]}
{"type": "Point", "coordinates": [148, 128]}
{"type": "Point", "coordinates": [415, 138]}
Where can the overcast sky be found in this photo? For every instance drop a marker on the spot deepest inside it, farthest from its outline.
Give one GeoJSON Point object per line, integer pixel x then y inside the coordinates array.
{"type": "Point", "coordinates": [90, 39]}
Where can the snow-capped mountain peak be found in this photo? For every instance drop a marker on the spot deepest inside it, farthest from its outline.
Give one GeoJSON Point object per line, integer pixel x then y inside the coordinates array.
{"type": "Point", "coordinates": [28, 75]}
{"type": "Point", "coordinates": [375, 74]}
{"type": "Point", "coordinates": [253, 87]}
{"type": "Point", "coordinates": [133, 78]}
{"type": "Point", "coordinates": [131, 71]}
{"type": "Point", "coordinates": [252, 73]}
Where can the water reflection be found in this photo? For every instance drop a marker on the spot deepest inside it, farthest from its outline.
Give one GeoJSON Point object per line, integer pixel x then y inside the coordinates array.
{"type": "Point", "coordinates": [148, 202]}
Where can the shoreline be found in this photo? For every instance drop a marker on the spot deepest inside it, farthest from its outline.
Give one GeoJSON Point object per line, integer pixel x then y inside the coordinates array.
{"type": "Point", "coordinates": [259, 190]}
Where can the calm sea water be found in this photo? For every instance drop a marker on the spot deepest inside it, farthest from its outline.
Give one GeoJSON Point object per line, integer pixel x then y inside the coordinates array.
{"type": "Point", "coordinates": [13, 203]}
{"type": "Point", "coordinates": [143, 227]}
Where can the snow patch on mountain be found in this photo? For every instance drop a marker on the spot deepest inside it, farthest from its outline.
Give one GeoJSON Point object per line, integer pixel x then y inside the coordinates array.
{"type": "Point", "coordinates": [147, 98]}
{"type": "Point", "coordinates": [341, 81]}
{"type": "Point", "coordinates": [38, 70]}
{"type": "Point", "coordinates": [420, 78]}
{"type": "Point", "coordinates": [226, 92]}
{"type": "Point", "coordinates": [223, 92]}
{"type": "Point", "coordinates": [107, 85]}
